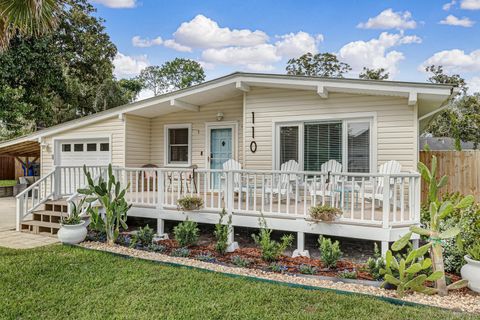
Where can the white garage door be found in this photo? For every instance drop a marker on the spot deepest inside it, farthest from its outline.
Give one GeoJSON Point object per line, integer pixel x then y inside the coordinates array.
{"type": "Point", "coordinates": [90, 152]}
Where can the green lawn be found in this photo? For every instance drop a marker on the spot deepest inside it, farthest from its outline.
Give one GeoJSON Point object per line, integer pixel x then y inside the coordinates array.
{"type": "Point", "coordinates": [7, 183]}
{"type": "Point", "coordinates": [60, 282]}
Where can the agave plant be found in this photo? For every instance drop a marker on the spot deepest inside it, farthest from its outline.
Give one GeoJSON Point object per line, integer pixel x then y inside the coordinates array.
{"type": "Point", "coordinates": [111, 197]}
{"type": "Point", "coordinates": [438, 211]}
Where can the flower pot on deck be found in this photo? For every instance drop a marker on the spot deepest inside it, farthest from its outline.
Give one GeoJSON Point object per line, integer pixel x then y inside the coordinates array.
{"type": "Point", "coordinates": [471, 272]}
{"type": "Point", "coordinates": [72, 234]}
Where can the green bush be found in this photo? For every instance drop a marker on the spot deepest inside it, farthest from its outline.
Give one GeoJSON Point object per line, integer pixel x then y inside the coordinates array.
{"type": "Point", "coordinates": [221, 233]}
{"type": "Point", "coordinates": [205, 257]}
{"type": "Point", "coordinates": [345, 274]}
{"type": "Point", "coordinates": [277, 267]}
{"type": "Point", "coordinates": [186, 233]}
{"type": "Point", "coordinates": [324, 213]}
{"type": "Point", "coordinates": [375, 263]}
{"type": "Point", "coordinates": [157, 248]}
{"type": "Point", "coordinates": [180, 252]}
{"type": "Point", "coordinates": [329, 252]}
{"type": "Point", "coordinates": [189, 203]}
{"type": "Point", "coordinates": [307, 269]}
{"type": "Point", "coordinates": [240, 262]}
{"type": "Point", "coordinates": [271, 249]}
{"type": "Point", "coordinates": [143, 237]}
{"type": "Point", "coordinates": [474, 252]}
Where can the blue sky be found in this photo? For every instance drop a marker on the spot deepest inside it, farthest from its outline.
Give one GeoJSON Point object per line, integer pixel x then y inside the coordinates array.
{"type": "Point", "coordinates": [260, 36]}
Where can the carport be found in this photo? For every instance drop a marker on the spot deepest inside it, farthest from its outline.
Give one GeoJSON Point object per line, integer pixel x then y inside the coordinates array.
{"type": "Point", "coordinates": [24, 152]}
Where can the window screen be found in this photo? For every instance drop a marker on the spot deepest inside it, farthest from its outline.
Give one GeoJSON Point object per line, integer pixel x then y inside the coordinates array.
{"type": "Point", "coordinates": [358, 147]}
{"type": "Point", "coordinates": [178, 145]}
{"type": "Point", "coordinates": [323, 142]}
{"type": "Point", "coordinates": [288, 144]}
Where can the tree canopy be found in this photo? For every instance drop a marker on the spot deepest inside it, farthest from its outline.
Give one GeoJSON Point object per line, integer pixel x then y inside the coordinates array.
{"type": "Point", "coordinates": [374, 74]}
{"type": "Point", "coordinates": [318, 65]}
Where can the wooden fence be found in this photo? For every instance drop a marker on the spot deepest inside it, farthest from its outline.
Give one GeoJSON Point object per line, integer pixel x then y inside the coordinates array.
{"type": "Point", "coordinates": [7, 168]}
{"type": "Point", "coordinates": [461, 167]}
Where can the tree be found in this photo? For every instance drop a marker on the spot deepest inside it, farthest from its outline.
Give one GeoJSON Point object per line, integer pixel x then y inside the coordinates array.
{"type": "Point", "coordinates": [439, 76]}
{"type": "Point", "coordinates": [318, 65]}
{"type": "Point", "coordinates": [29, 18]}
{"type": "Point", "coordinates": [374, 74]}
{"type": "Point", "coordinates": [172, 75]}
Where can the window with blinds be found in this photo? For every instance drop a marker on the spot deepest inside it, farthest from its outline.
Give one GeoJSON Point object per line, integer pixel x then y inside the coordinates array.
{"type": "Point", "coordinates": [322, 142]}
{"type": "Point", "coordinates": [358, 146]}
{"type": "Point", "coordinates": [178, 145]}
{"type": "Point", "coordinates": [288, 144]}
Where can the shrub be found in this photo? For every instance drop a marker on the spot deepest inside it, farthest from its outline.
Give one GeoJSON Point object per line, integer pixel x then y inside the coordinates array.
{"type": "Point", "coordinates": [189, 203]}
{"type": "Point", "coordinates": [240, 262]}
{"type": "Point", "coordinates": [143, 237]}
{"type": "Point", "coordinates": [277, 267]}
{"type": "Point", "coordinates": [221, 233]}
{"type": "Point", "coordinates": [186, 233]}
{"type": "Point", "coordinates": [324, 213]}
{"type": "Point", "coordinates": [205, 257]}
{"type": "Point", "coordinates": [271, 249]}
{"type": "Point", "coordinates": [375, 263]}
{"type": "Point", "coordinates": [123, 240]}
{"type": "Point", "coordinates": [474, 252]}
{"type": "Point", "coordinates": [180, 252]}
{"type": "Point", "coordinates": [307, 269]}
{"type": "Point", "coordinates": [345, 274]}
{"type": "Point", "coordinates": [157, 248]}
{"type": "Point", "coordinates": [329, 252]}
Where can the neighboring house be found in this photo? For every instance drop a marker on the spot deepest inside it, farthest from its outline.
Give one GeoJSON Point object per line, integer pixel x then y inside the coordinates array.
{"type": "Point", "coordinates": [443, 144]}
{"type": "Point", "coordinates": [262, 121]}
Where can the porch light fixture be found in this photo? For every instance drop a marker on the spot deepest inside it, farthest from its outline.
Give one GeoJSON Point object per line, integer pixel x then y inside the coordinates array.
{"type": "Point", "coordinates": [220, 116]}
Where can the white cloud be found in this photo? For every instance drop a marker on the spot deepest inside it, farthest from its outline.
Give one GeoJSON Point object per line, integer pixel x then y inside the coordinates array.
{"type": "Point", "coordinates": [451, 20]}
{"type": "Point", "coordinates": [473, 85]}
{"type": "Point", "coordinates": [145, 94]}
{"type": "Point", "coordinates": [172, 44]}
{"type": "Point", "coordinates": [470, 4]}
{"type": "Point", "coordinates": [388, 19]}
{"type": "Point", "coordinates": [203, 32]}
{"type": "Point", "coordinates": [294, 45]}
{"type": "Point", "coordinates": [455, 60]}
{"type": "Point", "coordinates": [117, 4]}
{"type": "Point", "coordinates": [128, 66]}
{"type": "Point", "coordinates": [375, 53]}
{"type": "Point", "coordinates": [256, 58]}
{"type": "Point", "coordinates": [449, 5]}
{"type": "Point", "coordinates": [138, 41]}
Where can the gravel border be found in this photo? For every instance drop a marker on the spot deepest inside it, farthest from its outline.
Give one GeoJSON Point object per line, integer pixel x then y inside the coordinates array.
{"type": "Point", "coordinates": [457, 301]}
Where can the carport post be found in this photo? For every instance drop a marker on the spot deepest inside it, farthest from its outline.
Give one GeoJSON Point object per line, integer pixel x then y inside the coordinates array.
{"type": "Point", "coordinates": [57, 183]}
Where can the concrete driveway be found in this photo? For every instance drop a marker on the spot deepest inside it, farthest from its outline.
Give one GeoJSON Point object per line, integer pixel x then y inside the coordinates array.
{"type": "Point", "coordinates": [10, 238]}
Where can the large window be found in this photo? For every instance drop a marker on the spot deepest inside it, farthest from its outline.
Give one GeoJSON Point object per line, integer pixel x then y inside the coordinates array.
{"type": "Point", "coordinates": [314, 143]}
{"type": "Point", "coordinates": [178, 145]}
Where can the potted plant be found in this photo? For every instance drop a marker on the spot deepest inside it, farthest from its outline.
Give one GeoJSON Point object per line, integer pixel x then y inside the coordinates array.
{"type": "Point", "coordinates": [471, 271]}
{"type": "Point", "coordinates": [324, 213]}
{"type": "Point", "coordinates": [73, 229]}
{"type": "Point", "coordinates": [190, 203]}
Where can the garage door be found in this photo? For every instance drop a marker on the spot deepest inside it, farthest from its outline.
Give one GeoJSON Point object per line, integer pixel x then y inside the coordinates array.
{"type": "Point", "coordinates": [90, 152]}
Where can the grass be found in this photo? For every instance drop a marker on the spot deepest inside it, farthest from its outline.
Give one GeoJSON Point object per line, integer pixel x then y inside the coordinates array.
{"type": "Point", "coordinates": [8, 183]}
{"type": "Point", "coordinates": [61, 282]}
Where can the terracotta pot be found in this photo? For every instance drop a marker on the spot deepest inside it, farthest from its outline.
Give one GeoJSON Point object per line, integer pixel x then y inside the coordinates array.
{"type": "Point", "coordinates": [72, 234]}
{"type": "Point", "coordinates": [471, 272]}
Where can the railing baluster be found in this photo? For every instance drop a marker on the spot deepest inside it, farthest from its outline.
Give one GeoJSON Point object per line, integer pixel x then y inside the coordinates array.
{"type": "Point", "coordinates": [362, 199]}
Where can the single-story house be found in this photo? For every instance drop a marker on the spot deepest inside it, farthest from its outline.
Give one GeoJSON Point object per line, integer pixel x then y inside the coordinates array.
{"type": "Point", "coordinates": [293, 142]}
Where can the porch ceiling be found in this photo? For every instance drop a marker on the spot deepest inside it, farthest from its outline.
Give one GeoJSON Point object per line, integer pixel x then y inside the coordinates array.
{"type": "Point", "coordinates": [22, 149]}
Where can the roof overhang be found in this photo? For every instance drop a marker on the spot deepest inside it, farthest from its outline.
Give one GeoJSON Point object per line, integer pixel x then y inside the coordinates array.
{"type": "Point", "coordinates": [427, 97]}
{"type": "Point", "coordinates": [21, 149]}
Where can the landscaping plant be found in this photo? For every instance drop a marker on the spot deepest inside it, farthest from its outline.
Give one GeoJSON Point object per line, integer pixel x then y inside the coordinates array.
{"type": "Point", "coordinates": [240, 262]}
{"type": "Point", "coordinates": [345, 274]}
{"type": "Point", "coordinates": [205, 257]}
{"type": "Point", "coordinates": [329, 252]}
{"type": "Point", "coordinates": [143, 237]}
{"type": "Point", "coordinates": [111, 197]}
{"type": "Point", "coordinates": [271, 249]}
{"type": "Point", "coordinates": [180, 252]}
{"type": "Point", "coordinates": [307, 269]}
{"type": "Point", "coordinates": [324, 213]}
{"type": "Point", "coordinates": [438, 212]}
{"type": "Point", "coordinates": [474, 252]}
{"type": "Point", "coordinates": [277, 267]}
{"type": "Point", "coordinates": [189, 203]}
{"type": "Point", "coordinates": [221, 232]}
{"type": "Point", "coordinates": [74, 217]}
{"type": "Point", "coordinates": [156, 248]}
{"type": "Point", "coordinates": [376, 263]}
{"type": "Point", "coordinates": [186, 233]}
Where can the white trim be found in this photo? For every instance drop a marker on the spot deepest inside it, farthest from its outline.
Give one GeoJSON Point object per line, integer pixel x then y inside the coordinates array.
{"type": "Point", "coordinates": [242, 86]}
{"type": "Point", "coordinates": [184, 105]}
{"type": "Point", "coordinates": [167, 149]}
{"type": "Point", "coordinates": [347, 118]}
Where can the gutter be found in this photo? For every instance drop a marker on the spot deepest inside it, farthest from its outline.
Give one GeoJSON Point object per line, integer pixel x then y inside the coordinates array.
{"type": "Point", "coordinates": [454, 91]}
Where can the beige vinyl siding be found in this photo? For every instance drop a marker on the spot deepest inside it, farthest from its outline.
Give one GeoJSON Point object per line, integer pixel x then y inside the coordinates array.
{"type": "Point", "coordinates": [232, 110]}
{"type": "Point", "coordinates": [137, 135]}
{"type": "Point", "coordinates": [113, 127]}
{"type": "Point", "coordinates": [396, 134]}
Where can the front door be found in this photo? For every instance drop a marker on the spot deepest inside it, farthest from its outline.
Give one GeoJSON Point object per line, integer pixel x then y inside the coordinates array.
{"type": "Point", "coordinates": [221, 150]}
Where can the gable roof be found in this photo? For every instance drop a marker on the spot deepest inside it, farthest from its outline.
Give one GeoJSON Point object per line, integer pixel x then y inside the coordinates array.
{"type": "Point", "coordinates": [431, 96]}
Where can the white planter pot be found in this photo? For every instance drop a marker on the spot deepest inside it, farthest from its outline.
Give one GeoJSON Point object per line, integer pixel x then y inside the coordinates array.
{"type": "Point", "coordinates": [72, 234]}
{"type": "Point", "coordinates": [471, 272]}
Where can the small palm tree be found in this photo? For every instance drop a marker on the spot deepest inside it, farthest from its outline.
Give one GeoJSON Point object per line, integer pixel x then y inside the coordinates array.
{"type": "Point", "coordinates": [27, 17]}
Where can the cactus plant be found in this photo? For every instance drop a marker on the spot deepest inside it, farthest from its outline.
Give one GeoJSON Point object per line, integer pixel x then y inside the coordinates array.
{"type": "Point", "coordinates": [438, 211]}
{"type": "Point", "coordinates": [111, 197]}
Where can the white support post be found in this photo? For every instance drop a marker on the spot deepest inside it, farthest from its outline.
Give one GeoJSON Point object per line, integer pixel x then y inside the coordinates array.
{"type": "Point", "coordinates": [57, 183]}
{"type": "Point", "coordinates": [300, 251]}
{"type": "Point", "coordinates": [20, 208]}
{"type": "Point", "coordinates": [386, 202]}
{"type": "Point", "coordinates": [160, 188]}
{"type": "Point", "coordinates": [416, 243]}
{"type": "Point", "coordinates": [417, 197]}
{"type": "Point", "coordinates": [384, 248]}
{"type": "Point", "coordinates": [232, 244]}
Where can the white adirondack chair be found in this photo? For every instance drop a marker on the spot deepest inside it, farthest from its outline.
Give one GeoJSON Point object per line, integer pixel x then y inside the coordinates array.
{"type": "Point", "coordinates": [389, 167]}
{"type": "Point", "coordinates": [321, 187]}
{"type": "Point", "coordinates": [237, 183]}
{"type": "Point", "coordinates": [281, 184]}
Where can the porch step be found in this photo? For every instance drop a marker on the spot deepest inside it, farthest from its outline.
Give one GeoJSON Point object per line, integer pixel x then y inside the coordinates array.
{"type": "Point", "coordinates": [46, 220]}
{"type": "Point", "coordinates": [40, 227]}
{"type": "Point", "coordinates": [56, 205]}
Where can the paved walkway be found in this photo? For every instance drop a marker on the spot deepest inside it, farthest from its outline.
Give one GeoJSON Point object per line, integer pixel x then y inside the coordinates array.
{"type": "Point", "coordinates": [17, 240]}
